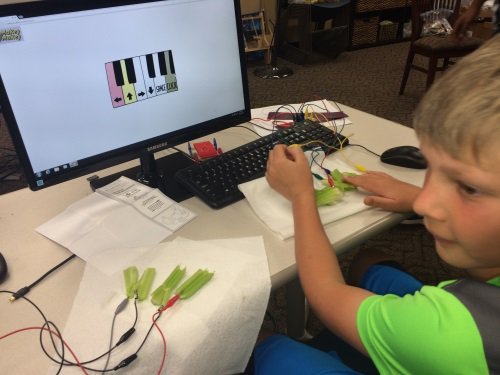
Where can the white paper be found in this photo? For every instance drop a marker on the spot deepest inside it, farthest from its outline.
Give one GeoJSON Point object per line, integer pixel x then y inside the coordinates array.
{"type": "Point", "coordinates": [150, 202]}
{"type": "Point", "coordinates": [213, 332]}
{"type": "Point", "coordinates": [135, 216]}
{"type": "Point", "coordinates": [259, 115]}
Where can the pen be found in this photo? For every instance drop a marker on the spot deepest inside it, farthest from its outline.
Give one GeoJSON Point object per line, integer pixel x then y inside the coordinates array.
{"type": "Point", "coordinates": [215, 143]}
{"type": "Point", "coordinates": [190, 149]}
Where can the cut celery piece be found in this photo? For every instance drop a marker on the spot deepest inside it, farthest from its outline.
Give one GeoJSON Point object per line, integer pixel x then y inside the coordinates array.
{"type": "Point", "coordinates": [194, 283]}
{"type": "Point", "coordinates": [145, 282]}
{"type": "Point", "coordinates": [338, 180]}
{"type": "Point", "coordinates": [130, 275]}
{"type": "Point", "coordinates": [161, 294]}
{"type": "Point", "coordinates": [327, 196]}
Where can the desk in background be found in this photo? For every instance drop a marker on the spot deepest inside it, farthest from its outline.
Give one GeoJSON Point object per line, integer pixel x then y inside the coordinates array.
{"type": "Point", "coordinates": [29, 254]}
{"type": "Point", "coordinates": [304, 30]}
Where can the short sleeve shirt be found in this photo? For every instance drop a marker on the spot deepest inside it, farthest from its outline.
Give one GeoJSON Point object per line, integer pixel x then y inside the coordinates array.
{"type": "Point", "coordinates": [429, 332]}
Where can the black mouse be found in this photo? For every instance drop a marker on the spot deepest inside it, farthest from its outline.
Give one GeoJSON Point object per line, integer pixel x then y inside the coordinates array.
{"type": "Point", "coordinates": [3, 268]}
{"type": "Point", "coordinates": [404, 156]}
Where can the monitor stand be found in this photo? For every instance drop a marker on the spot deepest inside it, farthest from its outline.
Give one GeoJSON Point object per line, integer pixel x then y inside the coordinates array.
{"type": "Point", "coordinates": [157, 173]}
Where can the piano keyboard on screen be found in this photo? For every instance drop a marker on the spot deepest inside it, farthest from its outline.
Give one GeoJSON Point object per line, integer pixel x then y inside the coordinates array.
{"type": "Point", "coordinates": [142, 77]}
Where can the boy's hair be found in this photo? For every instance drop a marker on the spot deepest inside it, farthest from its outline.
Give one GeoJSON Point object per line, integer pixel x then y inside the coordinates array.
{"type": "Point", "coordinates": [461, 111]}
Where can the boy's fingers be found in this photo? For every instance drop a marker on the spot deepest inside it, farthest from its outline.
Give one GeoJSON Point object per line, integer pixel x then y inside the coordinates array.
{"type": "Point", "coordinates": [293, 152]}
{"type": "Point", "coordinates": [379, 202]}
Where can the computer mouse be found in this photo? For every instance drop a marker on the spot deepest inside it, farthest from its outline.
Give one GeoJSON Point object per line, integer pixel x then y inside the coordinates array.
{"type": "Point", "coordinates": [3, 268]}
{"type": "Point", "coordinates": [404, 156]}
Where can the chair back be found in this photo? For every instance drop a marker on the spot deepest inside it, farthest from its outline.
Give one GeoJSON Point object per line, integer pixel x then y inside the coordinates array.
{"type": "Point", "coordinates": [418, 7]}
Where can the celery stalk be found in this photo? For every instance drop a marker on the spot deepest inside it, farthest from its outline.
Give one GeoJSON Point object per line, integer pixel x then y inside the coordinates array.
{"type": "Point", "coordinates": [194, 283]}
{"type": "Point", "coordinates": [158, 295]}
{"type": "Point", "coordinates": [338, 180]}
{"type": "Point", "coordinates": [327, 196]}
{"type": "Point", "coordinates": [145, 282]}
{"type": "Point", "coordinates": [161, 294]}
{"type": "Point", "coordinates": [130, 275]}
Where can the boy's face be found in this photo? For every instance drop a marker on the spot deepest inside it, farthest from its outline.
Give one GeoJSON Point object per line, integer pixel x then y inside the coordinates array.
{"type": "Point", "coordinates": [460, 203]}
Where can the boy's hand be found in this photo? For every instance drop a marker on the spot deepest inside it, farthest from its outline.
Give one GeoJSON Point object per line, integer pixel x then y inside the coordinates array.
{"type": "Point", "coordinates": [389, 193]}
{"type": "Point", "coordinates": [288, 172]}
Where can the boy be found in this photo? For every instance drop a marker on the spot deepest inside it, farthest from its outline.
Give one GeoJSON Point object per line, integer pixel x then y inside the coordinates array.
{"type": "Point", "coordinates": [412, 329]}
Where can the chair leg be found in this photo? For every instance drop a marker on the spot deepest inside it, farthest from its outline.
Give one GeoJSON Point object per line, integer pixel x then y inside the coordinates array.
{"type": "Point", "coordinates": [431, 73]}
{"type": "Point", "coordinates": [409, 62]}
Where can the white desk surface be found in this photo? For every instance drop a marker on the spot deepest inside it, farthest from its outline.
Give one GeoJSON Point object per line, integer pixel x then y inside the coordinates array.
{"type": "Point", "coordinates": [29, 254]}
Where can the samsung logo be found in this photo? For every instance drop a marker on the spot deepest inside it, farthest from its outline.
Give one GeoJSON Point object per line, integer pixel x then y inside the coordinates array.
{"type": "Point", "coordinates": [157, 147]}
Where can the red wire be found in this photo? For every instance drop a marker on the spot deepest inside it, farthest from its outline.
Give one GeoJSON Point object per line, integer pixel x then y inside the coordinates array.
{"type": "Point", "coordinates": [51, 332]}
{"type": "Point", "coordinates": [169, 304]}
{"type": "Point", "coordinates": [164, 342]}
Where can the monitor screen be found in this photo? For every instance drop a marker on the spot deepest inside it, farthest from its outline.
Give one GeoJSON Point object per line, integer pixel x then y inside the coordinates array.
{"type": "Point", "coordinates": [89, 84]}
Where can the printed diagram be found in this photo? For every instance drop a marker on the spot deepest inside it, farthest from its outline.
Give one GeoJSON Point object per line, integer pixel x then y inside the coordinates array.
{"type": "Point", "coordinates": [142, 77]}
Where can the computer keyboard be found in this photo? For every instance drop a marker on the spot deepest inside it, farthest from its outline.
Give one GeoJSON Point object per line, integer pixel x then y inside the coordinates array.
{"type": "Point", "coordinates": [215, 181]}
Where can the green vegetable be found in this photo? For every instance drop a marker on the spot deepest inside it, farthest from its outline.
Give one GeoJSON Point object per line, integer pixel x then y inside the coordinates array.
{"type": "Point", "coordinates": [161, 294]}
{"type": "Point", "coordinates": [338, 180]}
{"type": "Point", "coordinates": [330, 195]}
{"type": "Point", "coordinates": [130, 275]}
{"type": "Point", "coordinates": [145, 282]}
{"type": "Point", "coordinates": [194, 283]}
{"type": "Point", "coordinates": [327, 196]}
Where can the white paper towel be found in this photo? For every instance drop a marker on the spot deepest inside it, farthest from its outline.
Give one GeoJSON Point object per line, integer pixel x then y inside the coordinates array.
{"type": "Point", "coordinates": [276, 211]}
{"type": "Point", "coordinates": [211, 333]}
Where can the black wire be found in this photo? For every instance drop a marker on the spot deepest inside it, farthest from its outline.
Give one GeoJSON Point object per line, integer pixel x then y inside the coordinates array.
{"type": "Point", "coordinates": [315, 152]}
{"type": "Point", "coordinates": [51, 270]}
{"type": "Point", "coordinates": [46, 322]}
{"type": "Point", "coordinates": [62, 360]}
{"type": "Point", "coordinates": [367, 149]}
{"type": "Point", "coordinates": [110, 345]}
{"type": "Point", "coordinates": [70, 363]}
{"type": "Point", "coordinates": [25, 290]}
{"type": "Point", "coordinates": [147, 334]}
{"type": "Point", "coordinates": [251, 130]}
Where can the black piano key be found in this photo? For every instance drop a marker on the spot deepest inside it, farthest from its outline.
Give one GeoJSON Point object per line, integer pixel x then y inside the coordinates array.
{"type": "Point", "coordinates": [162, 63]}
{"type": "Point", "coordinates": [129, 65]}
{"type": "Point", "coordinates": [171, 60]}
{"type": "Point", "coordinates": [151, 66]}
{"type": "Point", "coordinates": [117, 69]}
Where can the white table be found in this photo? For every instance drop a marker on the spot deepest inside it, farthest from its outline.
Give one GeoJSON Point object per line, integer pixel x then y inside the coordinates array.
{"type": "Point", "coordinates": [29, 254]}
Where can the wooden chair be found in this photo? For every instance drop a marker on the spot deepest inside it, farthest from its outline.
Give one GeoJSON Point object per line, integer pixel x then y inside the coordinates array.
{"type": "Point", "coordinates": [434, 47]}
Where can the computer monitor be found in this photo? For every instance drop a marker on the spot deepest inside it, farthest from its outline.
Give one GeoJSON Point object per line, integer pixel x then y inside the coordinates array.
{"type": "Point", "coordinates": [88, 84]}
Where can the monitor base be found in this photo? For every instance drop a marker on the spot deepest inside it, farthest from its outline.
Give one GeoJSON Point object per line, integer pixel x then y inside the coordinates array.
{"type": "Point", "coordinates": [273, 72]}
{"type": "Point", "coordinates": [166, 166]}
